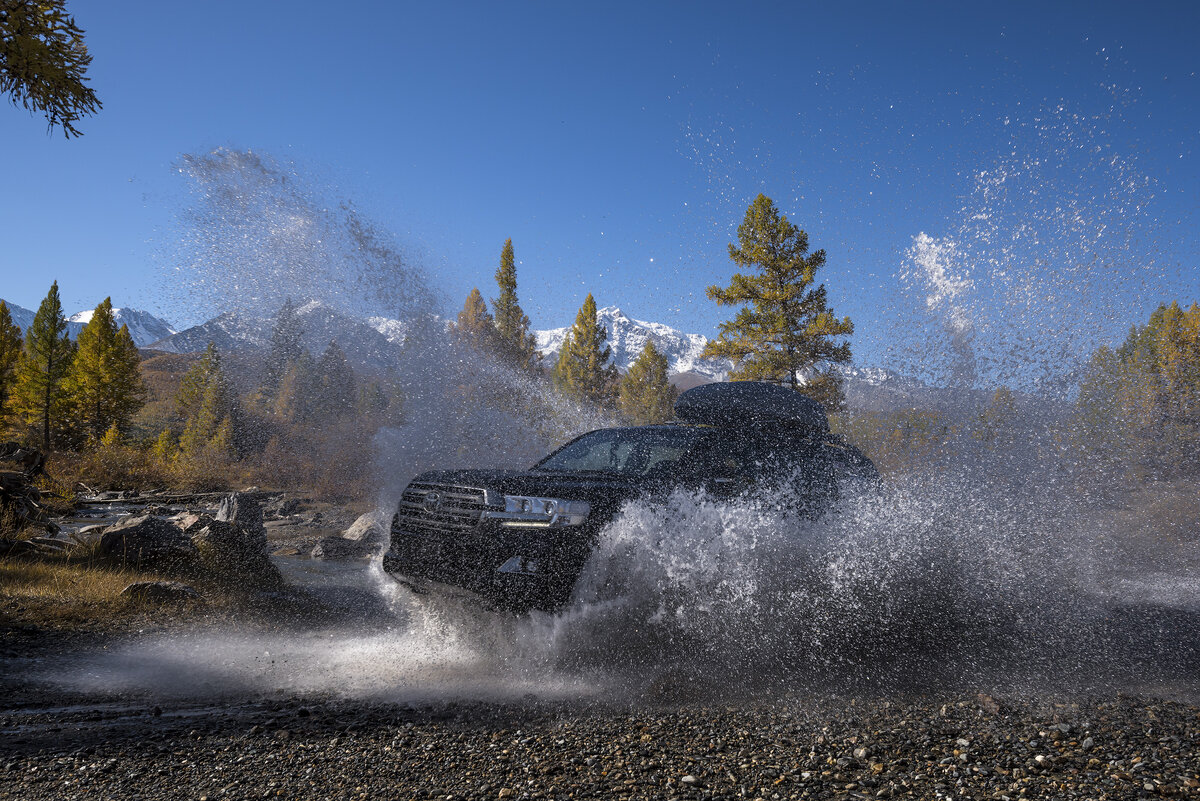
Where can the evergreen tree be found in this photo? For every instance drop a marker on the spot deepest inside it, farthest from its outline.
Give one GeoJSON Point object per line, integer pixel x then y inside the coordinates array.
{"type": "Point", "coordinates": [645, 395]}
{"type": "Point", "coordinates": [583, 370]}
{"type": "Point", "coordinates": [336, 390]}
{"type": "Point", "coordinates": [372, 400]}
{"type": "Point", "coordinates": [286, 347]}
{"type": "Point", "coordinates": [10, 354]}
{"type": "Point", "coordinates": [518, 346]}
{"type": "Point", "coordinates": [164, 447]}
{"type": "Point", "coordinates": [206, 404]}
{"type": "Point", "coordinates": [295, 401]}
{"type": "Point", "coordinates": [45, 360]}
{"type": "Point", "coordinates": [475, 327]}
{"type": "Point", "coordinates": [44, 62]}
{"type": "Point", "coordinates": [1141, 402]}
{"type": "Point", "coordinates": [785, 332]}
{"type": "Point", "coordinates": [105, 381]}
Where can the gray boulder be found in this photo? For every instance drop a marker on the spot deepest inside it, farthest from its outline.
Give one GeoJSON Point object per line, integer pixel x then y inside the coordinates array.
{"type": "Point", "coordinates": [145, 540]}
{"type": "Point", "coordinates": [367, 529]}
{"type": "Point", "coordinates": [243, 511]}
{"type": "Point", "coordinates": [160, 592]}
{"type": "Point", "coordinates": [341, 548]}
{"type": "Point", "coordinates": [190, 523]}
{"type": "Point", "coordinates": [230, 551]}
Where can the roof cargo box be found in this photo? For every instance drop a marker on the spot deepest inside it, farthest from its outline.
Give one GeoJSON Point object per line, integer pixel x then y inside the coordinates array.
{"type": "Point", "coordinates": [753, 403]}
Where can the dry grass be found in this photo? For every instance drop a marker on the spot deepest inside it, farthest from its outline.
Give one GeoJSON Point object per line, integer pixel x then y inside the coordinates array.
{"type": "Point", "coordinates": [60, 591]}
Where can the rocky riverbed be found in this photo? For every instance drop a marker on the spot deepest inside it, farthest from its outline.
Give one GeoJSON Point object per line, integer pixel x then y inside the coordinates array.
{"type": "Point", "coordinates": [957, 746]}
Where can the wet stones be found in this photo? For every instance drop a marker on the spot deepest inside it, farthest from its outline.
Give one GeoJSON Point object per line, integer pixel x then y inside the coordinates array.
{"type": "Point", "coordinates": [340, 548]}
{"type": "Point", "coordinates": [367, 536]}
{"type": "Point", "coordinates": [160, 592]}
{"type": "Point", "coordinates": [242, 510]}
{"type": "Point", "coordinates": [147, 541]}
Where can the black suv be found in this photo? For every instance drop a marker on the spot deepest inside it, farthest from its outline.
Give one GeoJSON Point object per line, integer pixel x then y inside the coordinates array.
{"type": "Point", "coordinates": [518, 540]}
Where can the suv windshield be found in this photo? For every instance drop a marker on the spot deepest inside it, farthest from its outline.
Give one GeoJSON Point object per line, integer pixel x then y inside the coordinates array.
{"type": "Point", "coordinates": [624, 451]}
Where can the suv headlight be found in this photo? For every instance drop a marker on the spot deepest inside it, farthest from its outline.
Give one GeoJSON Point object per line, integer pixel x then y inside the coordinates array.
{"type": "Point", "coordinates": [526, 510]}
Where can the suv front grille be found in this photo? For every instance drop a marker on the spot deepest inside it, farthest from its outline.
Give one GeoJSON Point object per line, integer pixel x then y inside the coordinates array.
{"type": "Point", "coordinates": [455, 509]}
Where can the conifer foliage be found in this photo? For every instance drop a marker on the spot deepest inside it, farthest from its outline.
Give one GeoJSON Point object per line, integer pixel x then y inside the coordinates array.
{"type": "Point", "coordinates": [518, 347]}
{"type": "Point", "coordinates": [286, 347]}
{"type": "Point", "coordinates": [41, 398]}
{"type": "Point", "coordinates": [645, 395]}
{"type": "Point", "coordinates": [583, 370]}
{"type": "Point", "coordinates": [785, 331]}
{"type": "Point", "coordinates": [208, 407]}
{"type": "Point", "coordinates": [475, 328]}
{"type": "Point", "coordinates": [1141, 402]}
{"type": "Point", "coordinates": [105, 382]}
{"type": "Point", "coordinates": [10, 353]}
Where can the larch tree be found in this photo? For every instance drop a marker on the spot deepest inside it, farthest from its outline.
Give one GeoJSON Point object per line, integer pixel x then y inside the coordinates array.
{"type": "Point", "coordinates": [44, 62]}
{"type": "Point", "coordinates": [105, 381]}
{"type": "Point", "coordinates": [285, 347]}
{"type": "Point", "coordinates": [336, 392]}
{"type": "Point", "coordinates": [46, 357]}
{"type": "Point", "coordinates": [474, 327]}
{"type": "Point", "coordinates": [10, 354]}
{"type": "Point", "coordinates": [785, 332]}
{"type": "Point", "coordinates": [583, 370]}
{"type": "Point", "coordinates": [205, 403]}
{"type": "Point", "coordinates": [645, 395]}
{"type": "Point", "coordinates": [518, 347]}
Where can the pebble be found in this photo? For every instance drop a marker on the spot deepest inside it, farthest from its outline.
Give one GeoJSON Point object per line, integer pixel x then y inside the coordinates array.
{"type": "Point", "coordinates": [801, 748]}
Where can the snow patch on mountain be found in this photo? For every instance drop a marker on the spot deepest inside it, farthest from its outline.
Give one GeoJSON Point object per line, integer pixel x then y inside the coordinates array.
{"type": "Point", "coordinates": [627, 337]}
{"type": "Point", "coordinates": [144, 327]}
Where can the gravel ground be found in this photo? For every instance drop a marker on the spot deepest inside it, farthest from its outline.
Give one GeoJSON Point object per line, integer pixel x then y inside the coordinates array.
{"type": "Point", "coordinates": [920, 747]}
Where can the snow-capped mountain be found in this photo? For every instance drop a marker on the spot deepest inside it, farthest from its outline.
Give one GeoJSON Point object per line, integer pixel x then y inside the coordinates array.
{"type": "Point", "coordinates": [371, 343]}
{"type": "Point", "coordinates": [144, 327]}
{"type": "Point", "coordinates": [627, 337]}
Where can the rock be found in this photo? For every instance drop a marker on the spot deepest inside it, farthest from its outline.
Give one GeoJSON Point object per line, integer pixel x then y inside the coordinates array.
{"type": "Point", "coordinates": [1087, 744]}
{"type": "Point", "coordinates": [340, 548]}
{"type": "Point", "coordinates": [689, 779]}
{"type": "Point", "coordinates": [190, 523]}
{"type": "Point", "coordinates": [49, 543]}
{"type": "Point", "coordinates": [94, 530]}
{"type": "Point", "coordinates": [243, 511]}
{"type": "Point", "coordinates": [160, 592]}
{"type": "Point", "coordinates": [16, 547]}
{"type": "Point", "coordinates": [282, 506]}
{"type": "Point", "coordinates": [147, 540]}
{"type": "Point", "coordinates": [286, 550]}
{"type": "Point", "coordinates": [367, 529]}
{"type": "Point", "coordinates": [987, 703]}
{"type": "Point", "coordinates": [228, 550]}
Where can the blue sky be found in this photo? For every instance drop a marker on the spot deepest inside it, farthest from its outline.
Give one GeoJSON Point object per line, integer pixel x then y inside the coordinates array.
{"type": "Point", "coordinates": [619, 144]}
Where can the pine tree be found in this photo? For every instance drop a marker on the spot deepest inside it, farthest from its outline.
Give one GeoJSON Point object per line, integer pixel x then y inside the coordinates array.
{"type": "Point", "coordinates": [295, 401]}
{"type": "Point", "coordinates": [336, 391]}
{"type": "Point", "coordinates": [286, 347]}
{"type": "Point", "coordinates": [475, 327]}
{"type": "Point", "coordinates": [785, 332]}
{"type": "Point", "coordinates": [164, 447]}
{"type": "Point", "coordinates": [583, 370]}
{"type": "Point", "coordinates": [645, 395]}
{"type": "Point", "coordinates": [372, 400]}
{"type": "Point", "coordinates": [206, 405]}
{"type": "Point", "coordinates": [45, 360]}
{"type": "Point", "coordinates": [105, 380]}
{"type": "Point", "coordinates": [10, 354]}
{"type": "Point", "coordinates": [205, 372]}
{"type": "Point", "coordinates": [518, 346]}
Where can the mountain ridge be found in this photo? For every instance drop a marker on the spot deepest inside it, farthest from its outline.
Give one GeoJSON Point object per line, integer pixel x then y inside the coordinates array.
{"type": "Point", "coordinates": [144, 327]}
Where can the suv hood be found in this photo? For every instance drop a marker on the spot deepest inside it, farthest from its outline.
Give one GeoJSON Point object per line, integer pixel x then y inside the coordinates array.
{"type": "Point", "coordinates": [592, 487]}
